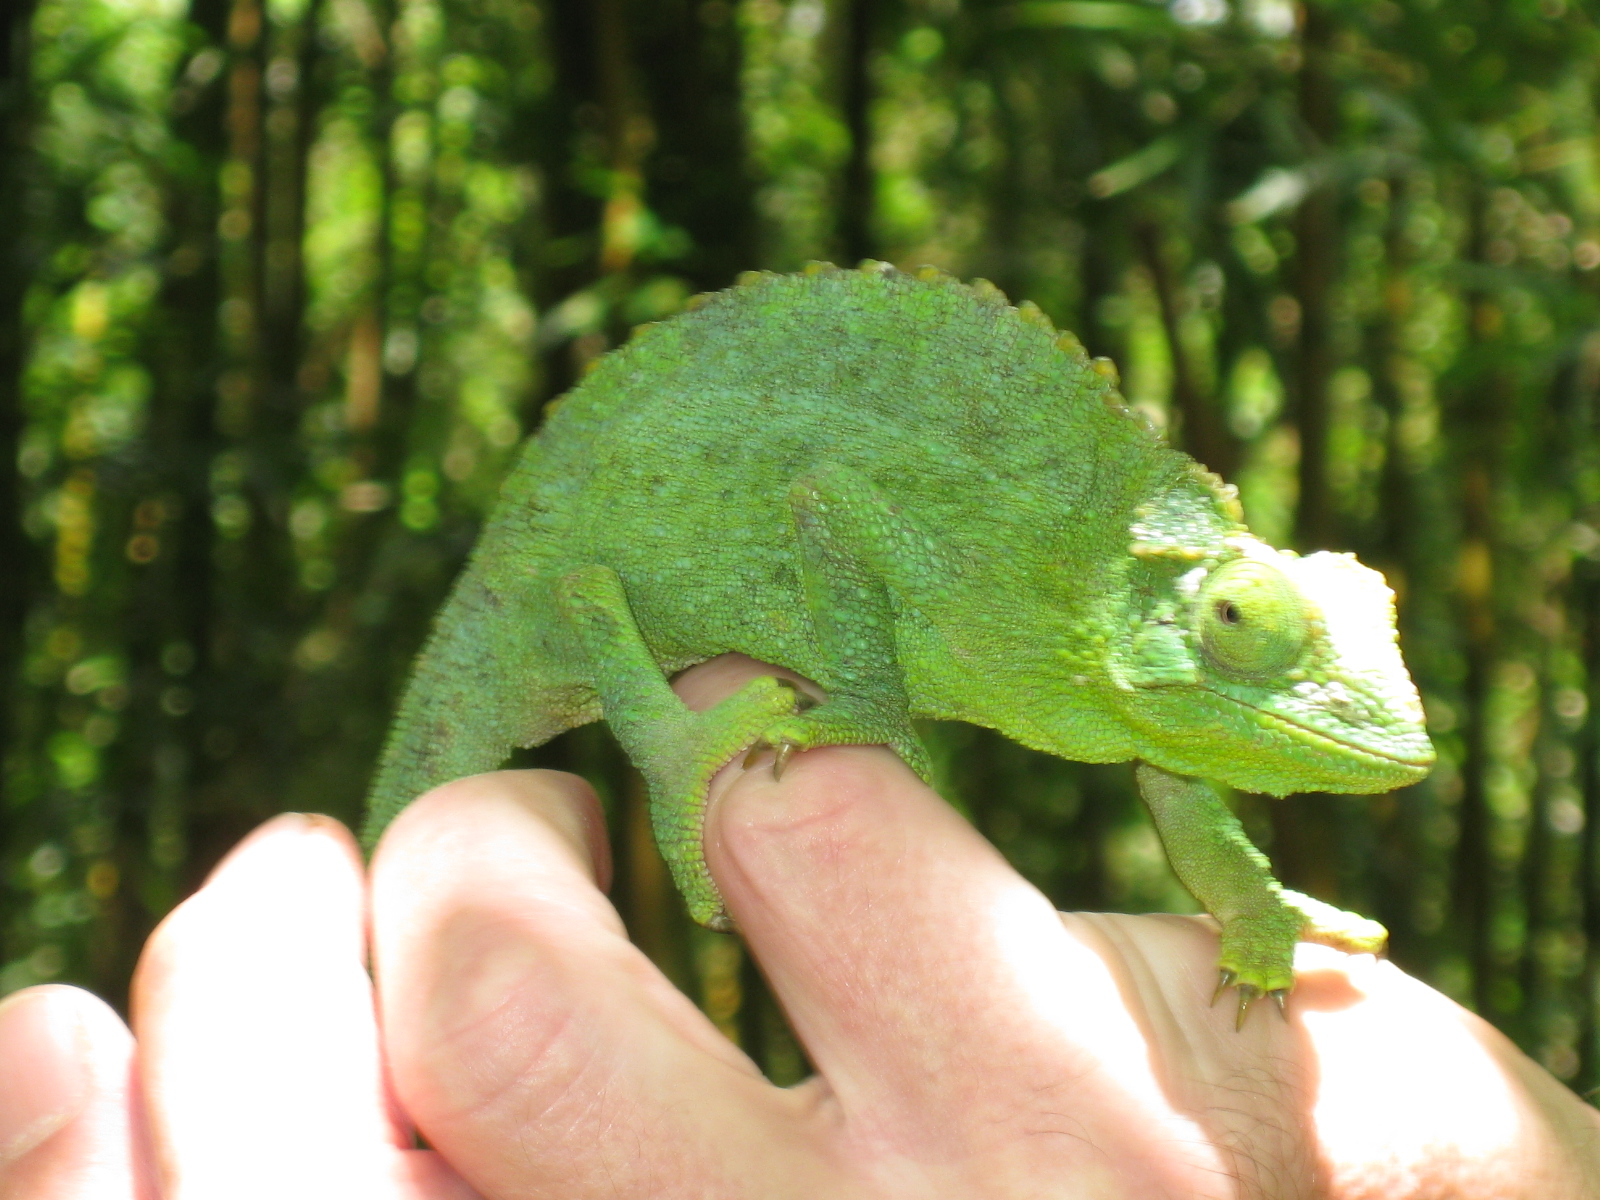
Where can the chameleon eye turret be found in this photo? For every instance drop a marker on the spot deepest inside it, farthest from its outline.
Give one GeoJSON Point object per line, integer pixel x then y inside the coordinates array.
{"type": "Point", "coordinates": [1253, 620]}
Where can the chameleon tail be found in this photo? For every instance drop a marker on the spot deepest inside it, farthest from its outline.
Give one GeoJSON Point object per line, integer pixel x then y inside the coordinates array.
{"type": "Point", "coordinates": [482, 687]}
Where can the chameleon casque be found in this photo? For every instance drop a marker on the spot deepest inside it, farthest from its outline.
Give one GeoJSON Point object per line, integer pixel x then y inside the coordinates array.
{"type": "Point", "coordinates": [932, 504]}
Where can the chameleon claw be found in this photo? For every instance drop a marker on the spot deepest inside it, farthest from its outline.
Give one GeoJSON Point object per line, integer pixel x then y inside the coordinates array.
{"type": "Point", "coordinates": [1224, 982]}
{"type": "Point", "coordinates": [781, 759]}
{"type": "Point", "coordinates": [782, 753]}
{"type": "Point", "coordinates": [1280, 997]}
{"type": "Point", "coordinates": [1248, 994]}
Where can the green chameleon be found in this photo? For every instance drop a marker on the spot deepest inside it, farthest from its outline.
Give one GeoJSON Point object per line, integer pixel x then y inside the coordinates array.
{"type": "Point", "coordinates": [932, 504]}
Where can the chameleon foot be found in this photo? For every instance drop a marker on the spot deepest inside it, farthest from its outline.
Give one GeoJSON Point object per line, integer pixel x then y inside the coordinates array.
{"type": "Point", "coordinates": [1258, 950]}
{"type": "Point", "coordinates": [783, 748]}
{"type": "Point", "coordinates": [680, 774]}
{"type": "Point", "coordinates": [1257, 957]}
{"type": "Point", "coordinates": [839, 722]}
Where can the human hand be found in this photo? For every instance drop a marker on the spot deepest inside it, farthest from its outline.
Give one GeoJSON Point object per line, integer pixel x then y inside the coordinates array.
{"type": "Point", "coordinates": [969, 1041]}
{"type": "Point", "coordinates": [258, 1070]}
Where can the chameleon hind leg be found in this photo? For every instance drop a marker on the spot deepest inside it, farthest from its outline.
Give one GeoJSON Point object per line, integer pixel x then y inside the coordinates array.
{"type": "Point", "coordinates": [1261, 919]}
{"type": "Point", "coordinates": [677, 749]}
{"type": "Point", "coordinates": [845, 531]}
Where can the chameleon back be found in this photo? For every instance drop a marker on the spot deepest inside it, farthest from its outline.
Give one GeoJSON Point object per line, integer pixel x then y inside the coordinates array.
{"type": "Point", "coordinates": [980, 419]}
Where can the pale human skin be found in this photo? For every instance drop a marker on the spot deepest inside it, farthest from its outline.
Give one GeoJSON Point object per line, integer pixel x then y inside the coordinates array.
{"type": "Point", "coordinates": [969, 1041]}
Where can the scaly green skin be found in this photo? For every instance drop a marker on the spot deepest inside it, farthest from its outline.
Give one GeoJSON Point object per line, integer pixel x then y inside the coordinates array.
{"type": "Point", "coordinates": [933, 505]}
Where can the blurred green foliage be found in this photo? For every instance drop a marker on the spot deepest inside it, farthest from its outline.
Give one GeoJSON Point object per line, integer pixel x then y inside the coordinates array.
{"type": "Point", "coordinates": [288, 280]}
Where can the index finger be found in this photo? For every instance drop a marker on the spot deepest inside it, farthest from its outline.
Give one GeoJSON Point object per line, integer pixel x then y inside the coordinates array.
{"type": "Point", "coordinates": [946, 1003]}
{"type": "Point", "coordinates": [942, 998]}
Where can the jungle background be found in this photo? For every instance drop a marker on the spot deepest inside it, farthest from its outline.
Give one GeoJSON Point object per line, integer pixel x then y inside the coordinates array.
{"type": "Point", "coordinates": [286, 282]}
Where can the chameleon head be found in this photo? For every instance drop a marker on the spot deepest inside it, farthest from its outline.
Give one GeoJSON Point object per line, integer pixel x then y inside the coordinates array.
{"type": "Point", "coordinates": [1271, 672]}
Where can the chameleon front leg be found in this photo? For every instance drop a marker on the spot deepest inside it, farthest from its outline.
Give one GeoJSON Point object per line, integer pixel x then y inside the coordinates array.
{"type": "Point", "coordinates": [846, 534]}
{"type": "Point", "coordinates": [1261, 919]}
{"type": "Point", "coordinates": [676, 749]}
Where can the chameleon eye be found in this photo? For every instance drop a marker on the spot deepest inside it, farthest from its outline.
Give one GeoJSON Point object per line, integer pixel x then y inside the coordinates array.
{"type": "Point", "coordinates": [1252, 619]}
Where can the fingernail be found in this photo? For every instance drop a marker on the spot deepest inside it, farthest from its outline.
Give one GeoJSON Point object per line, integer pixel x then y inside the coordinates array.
{"type": "Point", "coordinates": [41, 1061]}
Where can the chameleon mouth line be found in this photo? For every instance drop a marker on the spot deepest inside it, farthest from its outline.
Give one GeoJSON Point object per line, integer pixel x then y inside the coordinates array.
{"type": "Point", "coordinates": [1416, 762]}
